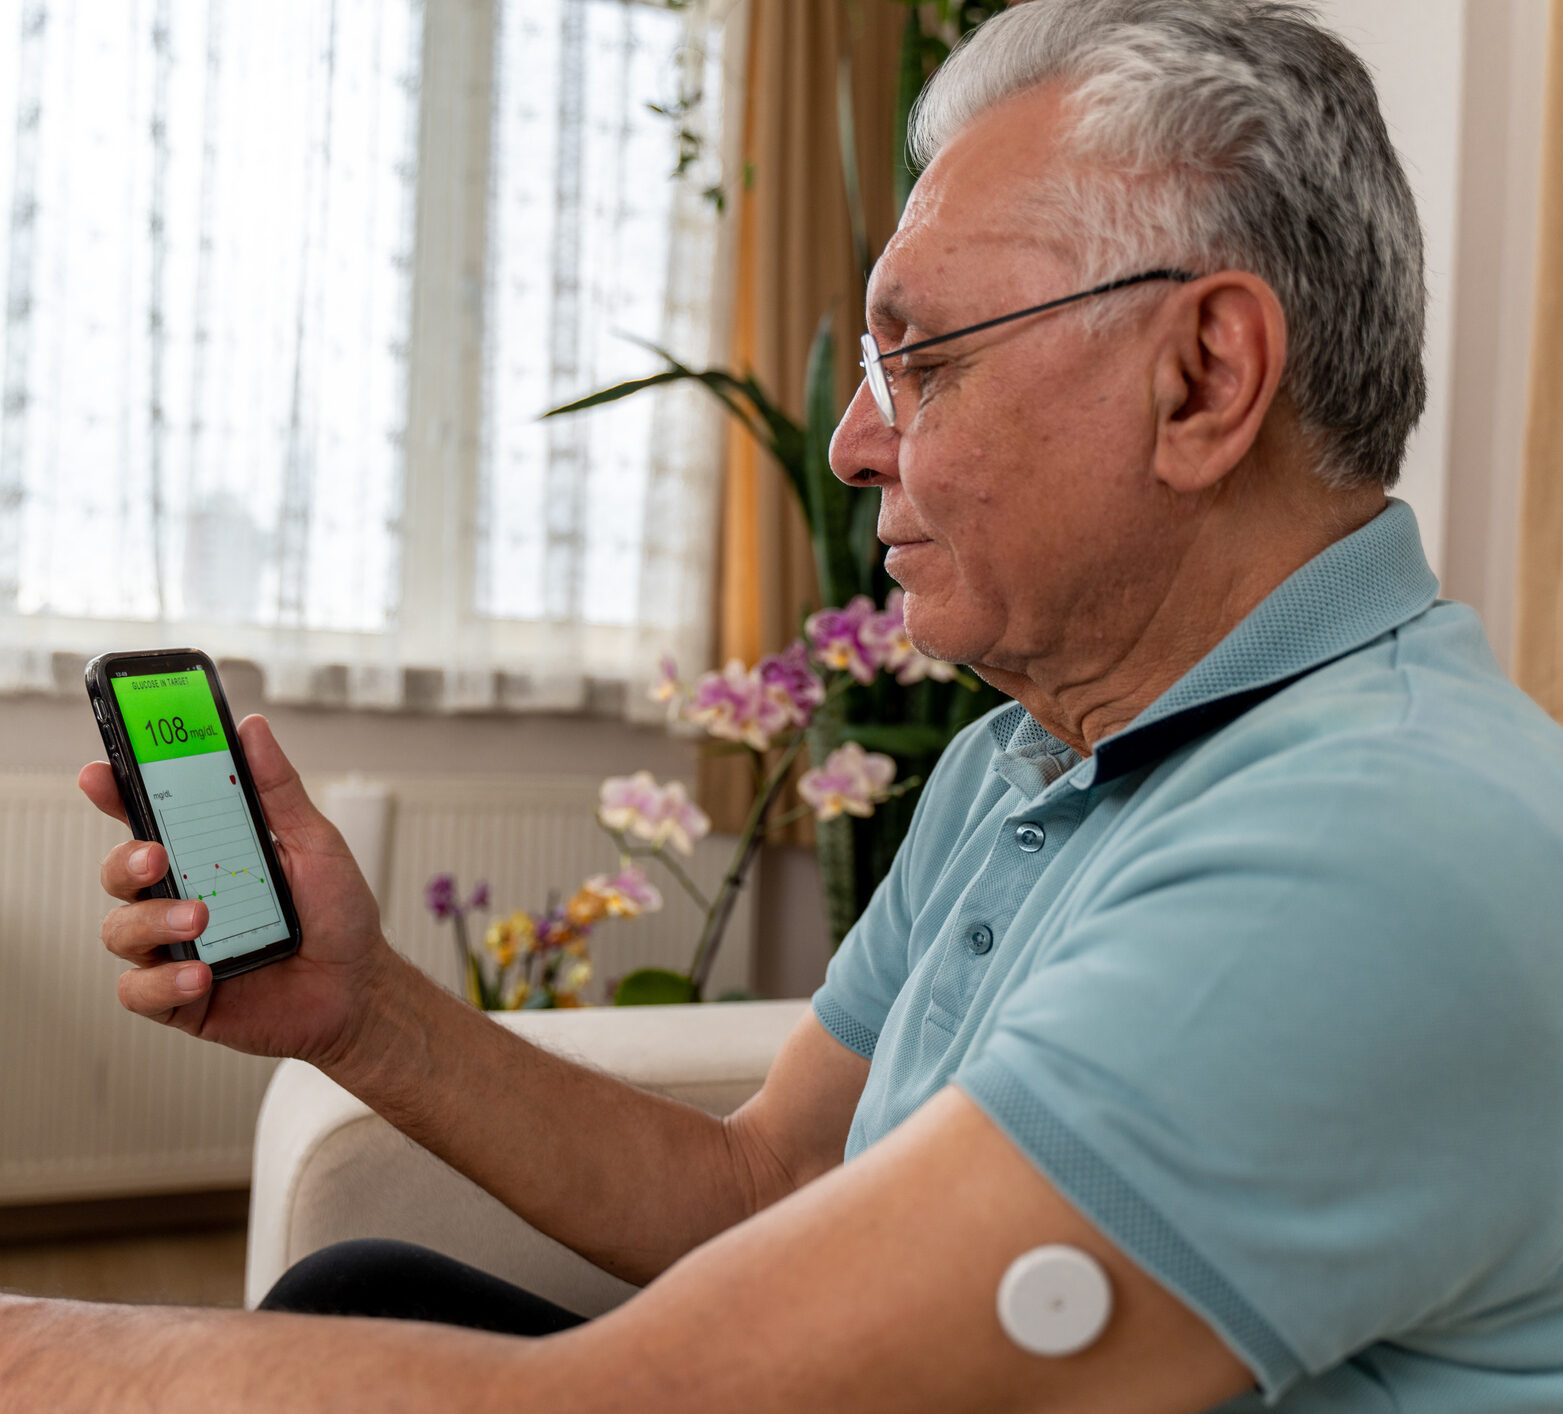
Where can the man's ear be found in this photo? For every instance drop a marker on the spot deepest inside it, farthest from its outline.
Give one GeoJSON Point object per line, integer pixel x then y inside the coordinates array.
{"type": "Point", "coordinates": [1216, 377]}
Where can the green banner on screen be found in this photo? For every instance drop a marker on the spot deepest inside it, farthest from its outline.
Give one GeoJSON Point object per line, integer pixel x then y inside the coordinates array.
{"type": "Point", "coordinates": [169, 715]}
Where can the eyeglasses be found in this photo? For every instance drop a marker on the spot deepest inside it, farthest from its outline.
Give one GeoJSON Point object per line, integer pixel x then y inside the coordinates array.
{"type": "Point", "coordinates": [878, 377]}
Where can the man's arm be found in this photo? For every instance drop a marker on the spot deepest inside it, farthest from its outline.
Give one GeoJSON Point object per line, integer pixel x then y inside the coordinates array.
{"type": "Point", "coordinates": [629, 1179]}
{"type": "Point", "coordinates": [872, 1289]}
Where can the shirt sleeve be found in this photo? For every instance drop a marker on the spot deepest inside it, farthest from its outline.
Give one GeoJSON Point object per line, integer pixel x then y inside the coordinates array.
{"type": "Point", "coordinates": [1299, 1057]}
{"type": "Point", "coordinates": [871, 966]}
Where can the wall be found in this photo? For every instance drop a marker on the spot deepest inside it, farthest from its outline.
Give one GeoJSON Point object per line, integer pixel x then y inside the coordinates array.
{"type": "Point", "coordinates": [1415, 52]}
{"type": "Point", "coordinates": [1461, 86]}
{"type": "Point", "coordinates": [1505, 52]}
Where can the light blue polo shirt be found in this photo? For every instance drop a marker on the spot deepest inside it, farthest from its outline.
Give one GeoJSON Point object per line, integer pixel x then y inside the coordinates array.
{"type": "Point", "coordinates": [1270, 987]}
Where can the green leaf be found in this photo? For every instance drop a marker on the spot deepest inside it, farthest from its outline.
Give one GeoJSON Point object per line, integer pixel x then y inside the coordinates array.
{"type": "Point", "coordinates": [619, 390]}
{"type": "Point", "coordinates": [846, 133]}
{"type": "Point", "coordinates": [899, 739]}
{"type": "Point", "coordinates": [717, 381]}
{"type": "Point", "coordinates": [654, 986]}
{"type": "Point", "coordinates": [863, 538]}
{"type": "Point", "coordinates": [775, 431]}
{"type": "Point", "coordinates": [828, 501]}
{"type": "Point", "coordinates": [909, 83]}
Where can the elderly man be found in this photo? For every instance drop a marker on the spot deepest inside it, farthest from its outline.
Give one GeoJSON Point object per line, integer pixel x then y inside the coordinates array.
{"type": "Point", "coordinates": [1225, 956]}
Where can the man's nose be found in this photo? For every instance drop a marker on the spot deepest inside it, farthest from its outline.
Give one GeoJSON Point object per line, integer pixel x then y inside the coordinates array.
{"type": "Point", "coordinates": [863, 450]}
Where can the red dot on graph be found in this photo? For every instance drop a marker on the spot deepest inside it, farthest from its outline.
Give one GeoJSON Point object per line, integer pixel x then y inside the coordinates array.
{"type": "Point", "coordinates": [233, 780]}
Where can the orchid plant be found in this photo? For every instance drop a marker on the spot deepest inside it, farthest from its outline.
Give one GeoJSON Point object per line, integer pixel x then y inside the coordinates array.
{"type": "Point", "coordinates": [535, 960]}
{"type": "Point", "coordinates": [768, 711]}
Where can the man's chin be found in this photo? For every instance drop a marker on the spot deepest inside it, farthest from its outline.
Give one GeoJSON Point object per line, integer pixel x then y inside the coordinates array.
{"type": "Point", "coordinates": [929, 627]}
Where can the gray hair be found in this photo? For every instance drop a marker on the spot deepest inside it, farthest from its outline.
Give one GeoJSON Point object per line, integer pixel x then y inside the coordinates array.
{"type": "Point", "coordinates": [1229, 134]}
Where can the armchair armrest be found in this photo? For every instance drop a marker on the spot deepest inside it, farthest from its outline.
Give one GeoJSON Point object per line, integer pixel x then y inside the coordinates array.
{"type": "Point", "coordinates": [328, 1169]}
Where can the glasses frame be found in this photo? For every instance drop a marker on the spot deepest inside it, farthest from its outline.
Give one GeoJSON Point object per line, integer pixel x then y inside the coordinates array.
{"type": "Point", "coordinates": [877, 376]}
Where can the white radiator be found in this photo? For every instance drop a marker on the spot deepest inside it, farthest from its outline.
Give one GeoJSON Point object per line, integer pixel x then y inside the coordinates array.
{"type": "Point", "coordinates": [95, 1102]}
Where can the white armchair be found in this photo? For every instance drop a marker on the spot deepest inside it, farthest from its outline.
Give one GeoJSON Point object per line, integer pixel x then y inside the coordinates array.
{"type": "Point", "coordinates": [328, 1169]}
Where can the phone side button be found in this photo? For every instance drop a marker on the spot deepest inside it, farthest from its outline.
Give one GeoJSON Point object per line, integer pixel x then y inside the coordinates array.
{"type": "Point", "coordinates": [97, 707]}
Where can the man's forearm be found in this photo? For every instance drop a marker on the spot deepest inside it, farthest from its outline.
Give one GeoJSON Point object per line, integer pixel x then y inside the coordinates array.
{"type": "Point", "coordinates": [67, 1357]}
{"type": "Point", "coordinates": [629, 1179]}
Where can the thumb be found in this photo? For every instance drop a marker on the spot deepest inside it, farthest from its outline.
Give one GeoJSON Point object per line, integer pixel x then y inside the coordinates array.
{"type": "Point", "coordinates": [289, 810]}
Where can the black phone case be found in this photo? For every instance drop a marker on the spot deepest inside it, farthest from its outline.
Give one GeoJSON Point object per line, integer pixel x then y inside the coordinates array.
{"type": "Point", "coordinates": [138, 808]}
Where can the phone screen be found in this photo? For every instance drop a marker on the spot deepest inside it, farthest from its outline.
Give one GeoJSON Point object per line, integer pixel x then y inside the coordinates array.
{"type": "Point", "coordinates": [213, 850]}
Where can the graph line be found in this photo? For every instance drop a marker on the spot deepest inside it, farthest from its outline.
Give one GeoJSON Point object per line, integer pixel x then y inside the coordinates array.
{"type": "Point", "coordinates": [232, 874]}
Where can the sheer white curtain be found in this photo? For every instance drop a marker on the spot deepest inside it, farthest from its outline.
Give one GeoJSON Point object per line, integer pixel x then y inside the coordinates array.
{"type": "Point", "coordinates": [594, 533]}
{"type": "Point", "coordinates": [206, 293]}
{"type": "Point", "coordinates": [285, 288]}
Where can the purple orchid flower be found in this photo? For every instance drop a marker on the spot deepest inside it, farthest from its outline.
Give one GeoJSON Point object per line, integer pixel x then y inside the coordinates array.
{"type": "Point", "coordinates": [440, 896]}
{"type": "Point", "coordinates": [836, 637]}
{"type": "Point", "coordinates": [734, 706]}
{"type": "Point", "coordinates": [788, 681]}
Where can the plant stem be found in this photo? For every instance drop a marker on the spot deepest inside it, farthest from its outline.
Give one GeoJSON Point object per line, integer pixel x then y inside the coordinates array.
{"type": "Point", "coordinates": [733, 881]}
{"type": "Point", "coordinates": [669, 863]}
{"type": "Point", "coordinates": [677, 871]}
{"type": "Point", "coordinates": [782, 821]}
{"type": "Point", "coordinates": [463, 957]}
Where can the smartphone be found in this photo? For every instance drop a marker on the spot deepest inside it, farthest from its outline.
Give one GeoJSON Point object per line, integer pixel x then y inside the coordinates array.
{"type": "Point", "coordinates": [185, 783]}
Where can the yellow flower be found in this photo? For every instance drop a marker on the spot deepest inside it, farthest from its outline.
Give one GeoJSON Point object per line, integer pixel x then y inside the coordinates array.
{"type": "Point", "coordinates": [516, 994]}
{"type": "Point", "coordinates": [576, 976]}
{"type": "Point", "coordinates": [506, 937]}
{"type": "Point", "coordinates": [525, 930]}
{"type": "Point", "coordinates": [500, 940]}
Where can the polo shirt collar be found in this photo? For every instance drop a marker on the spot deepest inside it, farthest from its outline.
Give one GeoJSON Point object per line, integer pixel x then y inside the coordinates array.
{"type": "Point", "coordinates": [1359, 588]}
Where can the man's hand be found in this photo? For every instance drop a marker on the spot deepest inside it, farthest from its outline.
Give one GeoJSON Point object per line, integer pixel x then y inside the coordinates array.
{"type": "Point", "coordinates": [309, 1005]}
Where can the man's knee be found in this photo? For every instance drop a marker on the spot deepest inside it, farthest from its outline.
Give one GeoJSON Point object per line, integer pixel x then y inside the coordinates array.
{"type": "Point", "coordinates": [400, 1281]}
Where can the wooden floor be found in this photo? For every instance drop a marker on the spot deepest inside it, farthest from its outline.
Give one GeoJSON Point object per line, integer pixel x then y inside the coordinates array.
{"type": "Point", "coordinates": [176, 1269]}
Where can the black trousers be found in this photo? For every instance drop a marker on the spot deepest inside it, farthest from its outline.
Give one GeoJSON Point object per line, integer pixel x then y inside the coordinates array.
{"type": "Point", "coordinates": [399, 1281]}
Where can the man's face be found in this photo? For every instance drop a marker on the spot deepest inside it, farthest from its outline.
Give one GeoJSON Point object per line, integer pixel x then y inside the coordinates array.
{"type": "Point", "coordinates": [1023, 520]}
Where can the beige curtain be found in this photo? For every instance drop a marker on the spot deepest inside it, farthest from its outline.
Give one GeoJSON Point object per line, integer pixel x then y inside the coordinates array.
{"type": "Point", "coordinates": [795, 261]}
{"type": "Point", "coordinates": [1538, 649]}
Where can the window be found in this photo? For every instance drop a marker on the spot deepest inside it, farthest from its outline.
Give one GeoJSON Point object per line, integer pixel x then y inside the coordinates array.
{"type": "Point", "coordinates": [286, 287]}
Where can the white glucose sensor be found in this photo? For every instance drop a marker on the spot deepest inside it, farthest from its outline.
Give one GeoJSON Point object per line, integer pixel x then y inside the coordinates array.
{"type": "Point", "coordinates": [1054, 1300]}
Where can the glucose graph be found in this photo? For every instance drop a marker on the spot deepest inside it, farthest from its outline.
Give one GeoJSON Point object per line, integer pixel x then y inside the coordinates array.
{"type": "Point", "coordinates": [214, 854]}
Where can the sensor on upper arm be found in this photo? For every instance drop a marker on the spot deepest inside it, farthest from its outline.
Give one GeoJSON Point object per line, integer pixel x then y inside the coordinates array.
{"type": "Point", "coordinates": [1054, 1300]}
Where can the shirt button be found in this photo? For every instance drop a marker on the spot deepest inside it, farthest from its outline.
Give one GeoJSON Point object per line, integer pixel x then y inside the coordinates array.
{"type": "Point", "coordinates": [980, 939]}
{"type": "Point", "coordinates": [1029, 836]}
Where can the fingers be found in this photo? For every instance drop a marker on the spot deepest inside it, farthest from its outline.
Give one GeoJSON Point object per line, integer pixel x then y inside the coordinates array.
{"type": "Point", "coordinates": [139, 932]}
{"type": "Point", "coordinates": [130, 867]}
{"type": "Point", "coordinates": [96, 782]}
{"type": "Point", "coordinates": [157, 992]}
{"type": "Point", "coordinates": [288, 808]}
